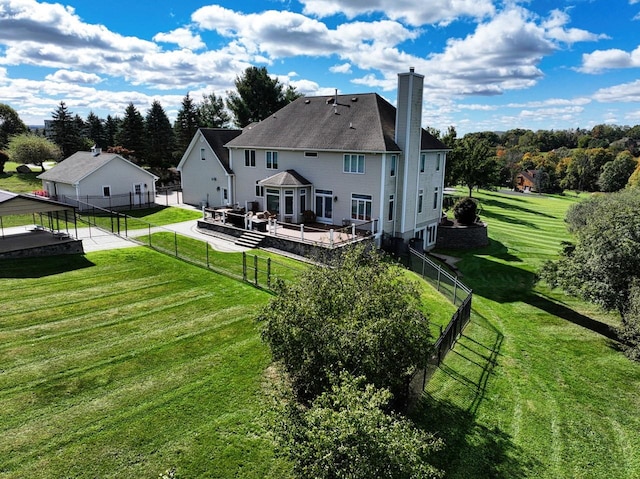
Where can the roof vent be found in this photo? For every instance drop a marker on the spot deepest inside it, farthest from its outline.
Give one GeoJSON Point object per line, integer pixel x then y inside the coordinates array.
{"type": "Point", "coordinates": [307, 101]}
{"type": "Point", "coordinates": [354, 99]}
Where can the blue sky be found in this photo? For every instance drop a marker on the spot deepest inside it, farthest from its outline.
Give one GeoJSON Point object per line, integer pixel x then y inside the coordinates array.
{"type": "Point", "coordinates": [488, 65]}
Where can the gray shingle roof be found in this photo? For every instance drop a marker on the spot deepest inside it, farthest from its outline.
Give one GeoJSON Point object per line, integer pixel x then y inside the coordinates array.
{"type": "Point", "coordinates": [363, 122]}
{"type": "Point", "coordinates": [78, 166]}
{"type": "Point", "coordinates": [217, 138]}
{"type": "Point", "coordinates": [285, 178]}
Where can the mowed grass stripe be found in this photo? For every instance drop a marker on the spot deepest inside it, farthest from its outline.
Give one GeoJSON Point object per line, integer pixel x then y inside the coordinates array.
{"type": "Point", "coordinates": [175, 388]}
{"type": "Point", "coordinates": [143, 398]}
{"type": "Point", "coordinates": [556, 399]}
{"type": "Point", "coordinates": [64, 359]}
{"type": "Point", "coordinates": [96, 299]}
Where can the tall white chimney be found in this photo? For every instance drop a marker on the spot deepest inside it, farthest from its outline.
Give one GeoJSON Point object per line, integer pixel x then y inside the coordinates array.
{"type": "Point", "coordinates": [408, 137]}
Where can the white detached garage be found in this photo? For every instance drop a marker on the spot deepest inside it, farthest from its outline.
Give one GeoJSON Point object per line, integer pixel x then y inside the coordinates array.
{"type": "Point", "coordinates": [105, 180]}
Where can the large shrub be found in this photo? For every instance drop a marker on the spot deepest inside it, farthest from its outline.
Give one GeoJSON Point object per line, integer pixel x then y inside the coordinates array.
{"type": "Point", "coordinates": [465, 211]}
{"type": "Point", "coordinates": [360, 314]}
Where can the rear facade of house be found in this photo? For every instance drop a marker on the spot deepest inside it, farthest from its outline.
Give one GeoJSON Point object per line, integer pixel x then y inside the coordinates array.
{"type": "Point", "coordinates": [344, 158]}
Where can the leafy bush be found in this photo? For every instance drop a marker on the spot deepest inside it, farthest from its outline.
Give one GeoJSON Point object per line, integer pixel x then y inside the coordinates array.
{"type": "Point", "coordinates": [465, 211]}
{"type": "Point", "coordinates": [360, 314]}
{"type": "Point", "coordinates": [630, 329]}
{"type": "Point", "coordinates": [347, 433]}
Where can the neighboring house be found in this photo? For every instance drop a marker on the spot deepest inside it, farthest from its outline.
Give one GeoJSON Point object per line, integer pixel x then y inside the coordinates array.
{"type": "Point", "coordinates": [346, 158]}
{"type": "Point", "coordinates": [526, 180]}
{"type": "Point", "coordinates": [105, 180]}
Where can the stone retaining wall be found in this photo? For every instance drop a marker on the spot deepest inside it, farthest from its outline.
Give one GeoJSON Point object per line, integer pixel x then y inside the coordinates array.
{"type": "Point", "coordinates": [462, 237]}
{"type": "Point", "coordinates": [64, 247]}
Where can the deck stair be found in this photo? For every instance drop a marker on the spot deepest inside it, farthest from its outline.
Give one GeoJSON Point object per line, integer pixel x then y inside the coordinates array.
{"type": "Point", "coordinates": [250, 239]}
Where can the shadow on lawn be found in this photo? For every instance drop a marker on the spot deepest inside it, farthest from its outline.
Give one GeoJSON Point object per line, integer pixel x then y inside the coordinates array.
{"type": "Point", "coordinates": [42, 266]}
{"type": "Point", "coordinates": [488, 452]}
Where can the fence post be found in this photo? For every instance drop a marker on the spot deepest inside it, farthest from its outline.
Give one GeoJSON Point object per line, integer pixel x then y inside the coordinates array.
{"type": "Point", "coordinates": [455, 290]}
{"type": "Point", "coordinates": [175, 242]}
{"type": "Point", "coordinates": [302, 232]}
{"type": "Point", "coordinates": [206, 245]}
{"type": "Point", "coordinates": [244, 266]}
{"type": "Point", "coordinates": [255, 265]}
{"type": "Point", "coordinates": [331, 237]}
{"type": "Point", "coordinates": [269, 273]}
{"type": "Point", "coordinates": [126, 228]}
{"type": "Point", "coordinates": [149, 234]}
{"type": "Point", "coordinates": [439, 270]}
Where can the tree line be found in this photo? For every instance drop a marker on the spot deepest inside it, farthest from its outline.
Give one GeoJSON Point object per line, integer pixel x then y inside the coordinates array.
{"type": "Point", "coordinates": [601, 159]}
{"type": "Point", "coordinates": [149, 140]}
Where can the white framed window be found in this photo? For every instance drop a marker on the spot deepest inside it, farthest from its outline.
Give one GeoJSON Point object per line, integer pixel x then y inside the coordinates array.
{"type": "Point", "coordinates": [273, 200]}
{"type": "Point", "coordinates": [423, 162]}
{"type": "Point", "coordinates": [353, 163]}
{"type": "Point", "coordinates": [361, 206]}
{"type": "Point", "coordinates": [435, 198]}
{"type": "Point", "coordinates": [438, 161]}
{"type": "Point", "coordinates": [271, 158]}
{"type": "Point", "coordinates": [420, 200]}
{"type": "Point", "coordinates": [303, 201]}
{"type": "Point", "coordinates": [137, 188]}
{"type": "Point", "coordinates": [106, 191]}
{"type": "Point", "coordinates": [391, 207]}
{"type": "Point", "coordinates": [394, 164]}
{"type": "Point", "coordinates": [202, 155]}
{"type": "Point", "coordinates": [250, 158]}
{"type": "Point", "coordinates": [288, 202]}
{"type": "Point", "coordinates": [259, 189]}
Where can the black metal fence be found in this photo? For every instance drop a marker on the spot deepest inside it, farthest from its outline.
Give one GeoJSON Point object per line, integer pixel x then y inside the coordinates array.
{"type": "Point", "coordinates": [123, 201]}
{"type": "Point", "coordinates": [259, 270]}
{"type": "Point", "coordinates": [459, 294]}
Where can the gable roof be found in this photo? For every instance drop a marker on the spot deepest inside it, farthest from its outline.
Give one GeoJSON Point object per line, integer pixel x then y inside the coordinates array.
{"type": "Point", "coordinates": [217, 138]}
{"type": "Point", "coordinates": [363, 122]}
{"type": "Point", "coordinates": [80, 165]}
{"type": "Point", "coordinates": [285, 178]}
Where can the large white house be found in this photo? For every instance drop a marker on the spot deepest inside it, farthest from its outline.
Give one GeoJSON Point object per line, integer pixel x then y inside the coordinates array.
{"type": "Point", "coordinates": [347, 158]}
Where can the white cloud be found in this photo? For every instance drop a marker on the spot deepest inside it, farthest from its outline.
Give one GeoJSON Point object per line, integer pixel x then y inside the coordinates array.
{"type": "Point", "coordinates": [183, 37]}
{"type": "Point", "coordinates": [411, 12]}
{"type": "Point", "coordinates": [614, 58]}
{"type": "Point", "coordinates": [555, 27]}
{"type": "Point", "coordinates": [66, 76]}
{"type": "Point", "coordinates": [623, 93]}
{"type": "Point", "coordinates": [342, 68]}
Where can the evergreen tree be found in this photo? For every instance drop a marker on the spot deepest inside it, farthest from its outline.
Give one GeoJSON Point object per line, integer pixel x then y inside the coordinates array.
{"type": "Point", "coordinates": [186, 124]}
{"type": "Point", "coordinates": [258, 96]}
{"type": "Point", "coordinates": [159, 136]}
{"type": "Point", "coordinates": [132, 132]}
{"type": "Point", "coordinates": [212, 112]}
{"type": "Point", "coordinates": [65, 131]}
{"type": "Point", "coordinates": [111, 128]}
{"type": "Point", "coordinates": [96, 131]}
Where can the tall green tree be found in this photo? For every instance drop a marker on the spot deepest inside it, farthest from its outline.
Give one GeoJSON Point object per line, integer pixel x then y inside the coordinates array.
{"type": "Point", "coordinates": [32, 149]}
{"type": "Point", "coordinates": [10, 124]}
{"type": "Point", "coordinates": [615, 174]}
{"type": "Point", "coordinates": [160, 142]}
{"type": "Point", "coordinates": [95, 130]}
{"type": "Point", "coordinates": [212, 112]}
{"type": "Point", "coordinates": [604, 261]}
{"type": "Point", "coordinates": [474, 165]}
{"type": "Point", "coordinates": [111, 128]}
{"type": "Point", "coordinates": [186, 124]}
{"type": "Point", "coordinates": [257, 96]}
{"type": "Point", "coordinates": [360, 314]}
{"type": "Point", "coordinates": [131, 135]}
{"type": "Point", "coordinates": [65, 131]}
{"type": "Point", "coordinates": [4, 157]}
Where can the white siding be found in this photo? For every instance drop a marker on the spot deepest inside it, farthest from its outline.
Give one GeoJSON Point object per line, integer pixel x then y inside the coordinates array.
{"type": "Point", "coordinates": [203, 181]}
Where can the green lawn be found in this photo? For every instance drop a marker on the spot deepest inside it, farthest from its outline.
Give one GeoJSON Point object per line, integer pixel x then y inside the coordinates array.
{"type": "Point", "coordinates": [19, 182]}
{"type": "Point", "coordinates": [141, 219]}
{"type": "Point", "coordinates": [536, 386]}
{"type": "Point", "coordinates": [129, 363]}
